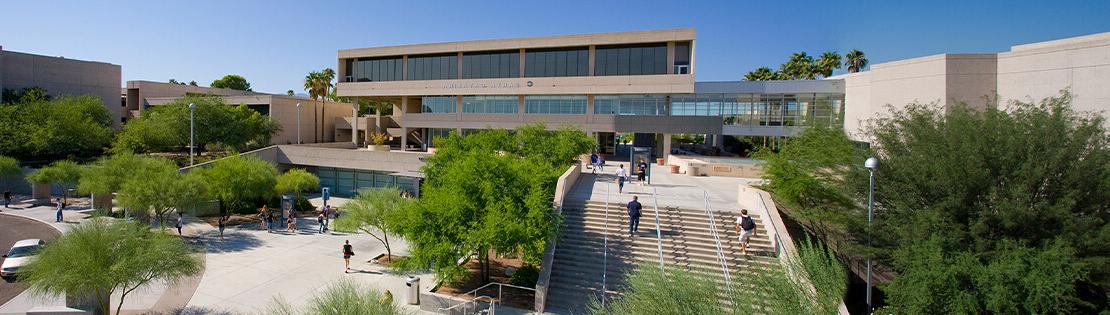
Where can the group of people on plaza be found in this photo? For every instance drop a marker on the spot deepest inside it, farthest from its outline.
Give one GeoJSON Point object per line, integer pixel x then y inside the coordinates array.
{"type": "Point", "coordinates": [269, 217]}
{"type": "Point", "coordinates": [597, 163]}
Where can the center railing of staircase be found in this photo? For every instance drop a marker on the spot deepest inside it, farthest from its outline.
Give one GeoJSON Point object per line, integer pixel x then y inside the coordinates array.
{"type": "Point", "coordinates": [658, 232]}
{"type": "Point", "coordinates": [465, 307]}
{"type": "Point", "coordinates": [605, 250]}
{"type": "Point", "coordinates": [717, 241]}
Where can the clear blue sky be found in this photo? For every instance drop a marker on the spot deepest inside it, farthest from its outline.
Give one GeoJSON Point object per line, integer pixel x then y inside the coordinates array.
{"type": "Point", "coordinates": [275, 43]}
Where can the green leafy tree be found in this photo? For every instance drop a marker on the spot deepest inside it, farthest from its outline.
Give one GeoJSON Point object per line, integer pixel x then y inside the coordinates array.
{"type": "Point", "coordinates": [101, 258]}
{"type": "Point", "coordinates": [9, 166]}
{"type": "Point", "coordinates": [239, 181]}
{"type": "Point", "coordinates": [489, 192]}
{"type": "Point", "coordinates": [297, 181]}
{"type": "Point", "coordinates": [64, 173]}
{"type": "Point", "coordinates": [107, 175]}
{"type": "Point", "coordinates": [166, 127]}
{"type": "Point", "coordinates": [60, 127]}
{"type": "Point", "coordinates": [232, 81]}
{"type": "Point", "coordinates": [341, 298]}
{"type": "Point", "coordinates": [289, 92]}
{"type": "Point", "coordinates": [800, 66]}
{"type": "Point", "coordinates": [855, 60]}
{"type": "Point", "coordinates": [373, 212]}
{"type": "Point", "coordinates": [318, 83]}
{"type": "Point", "coordinates": [762, 74]}
{"type": "Point", "coordinates": [159, 191]}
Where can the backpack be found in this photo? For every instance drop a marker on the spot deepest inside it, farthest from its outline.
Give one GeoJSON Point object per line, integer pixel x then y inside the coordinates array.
{"type": "Point", "coordinates": [747, 223]}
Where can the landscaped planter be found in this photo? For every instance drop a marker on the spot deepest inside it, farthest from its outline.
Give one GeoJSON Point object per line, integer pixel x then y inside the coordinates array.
{"type": "Point", "coordinates": [102, 201]}
{"type": "Point", "coordinates": [41, 193]}
{"type": "Point", "coordinates": [376, 147]}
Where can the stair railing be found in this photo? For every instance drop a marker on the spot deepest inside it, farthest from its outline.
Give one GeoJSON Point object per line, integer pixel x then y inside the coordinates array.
{"type": "Point", "coordinates": [658, 232]}
{"type": "Point", "coordinates": [717, 241]}
{"type": "Point", "coordinates": [605, 250]}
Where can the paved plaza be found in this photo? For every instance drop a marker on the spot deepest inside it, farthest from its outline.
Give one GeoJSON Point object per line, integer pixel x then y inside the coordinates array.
{"type": "Point", "coordinates": [246, 271]}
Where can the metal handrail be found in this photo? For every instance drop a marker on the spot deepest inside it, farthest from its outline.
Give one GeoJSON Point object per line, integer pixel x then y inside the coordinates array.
{"type": "Point", "coordinates": [474, 301]}
{"type": "Point", "coordinates": [658, 231]}
{"type": "Point", "coordinates": [717, 242]}
{"type": "Point", "coordinates": [605, 250]}
{"type": "Point", "coordinates": [500, 288]}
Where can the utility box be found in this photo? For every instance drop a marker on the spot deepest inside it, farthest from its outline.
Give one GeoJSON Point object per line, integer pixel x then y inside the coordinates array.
{"type": "Point", "coordinates": [414, 289]}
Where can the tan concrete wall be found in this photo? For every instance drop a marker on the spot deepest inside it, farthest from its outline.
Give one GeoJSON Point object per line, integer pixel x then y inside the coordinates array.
{"type": "Point", "coordinates": [393, 161]}
{"type": "Point", "coordinates": [139, 91]}
{"type": "Point", "coordinates": [62, 76]}
{"type": "Point", "coordinates": [1035, 71]}
{"type": "Point", "coordinates": [283, 109]}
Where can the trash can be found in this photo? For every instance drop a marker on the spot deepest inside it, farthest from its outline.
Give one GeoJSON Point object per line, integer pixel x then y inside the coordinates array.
{"type": "Point", "coordinates": [674, 169]}
{"type": "Point", "coordinates": [414, 289]}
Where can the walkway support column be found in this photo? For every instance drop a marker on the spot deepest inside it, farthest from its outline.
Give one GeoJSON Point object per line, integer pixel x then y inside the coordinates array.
{"type": "Point", "coordinates": [666, 148]}
{"type": "Point", "coordinates": [404, 138]}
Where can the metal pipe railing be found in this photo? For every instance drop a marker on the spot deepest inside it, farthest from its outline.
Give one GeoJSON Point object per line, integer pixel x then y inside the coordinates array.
{"type": "Point", "coordinates": [492, 301]}
{"type": "Point", "coordinates": [605, 249]}
{"type": "Point", "coordinates": [717, 241]}
{"type": "Point", "coordinates": [658, 232]}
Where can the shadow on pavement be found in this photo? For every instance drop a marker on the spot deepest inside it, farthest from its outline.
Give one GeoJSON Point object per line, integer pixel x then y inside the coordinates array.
{"type": "Point", "coordinates": [232, 242]}
{"type": "Point", "coordinates": [193, 310]}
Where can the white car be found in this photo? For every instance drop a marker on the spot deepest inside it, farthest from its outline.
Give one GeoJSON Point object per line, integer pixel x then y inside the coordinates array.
{"type": "Point", "coordinates": [19, 256]}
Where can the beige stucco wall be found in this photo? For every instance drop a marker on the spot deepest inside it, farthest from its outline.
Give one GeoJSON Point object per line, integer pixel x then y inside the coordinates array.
{"type": "Point", "coordinates": [139, 91]}
{"type": "Point", "coordinates": [1039, 70]}
{"type": "Point", "coordinates": [63, 76]}
{"type": "Point", "coordinates": [684, 34]}
{"type": "Point", "coordinates": [317, 119]}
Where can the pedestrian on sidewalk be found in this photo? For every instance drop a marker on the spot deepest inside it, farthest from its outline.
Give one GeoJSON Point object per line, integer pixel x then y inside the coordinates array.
{"type": "Point", "coordinates": [601, 163]}
{"type": "Point", "coordinates": [223, 223]}
{"type": "Point", "coordinates": [290, 223]}
{"type": "Point", "coordinates": [348, 251]}
{"type": "Point", "coordinates": [61, 205]}
{"type": "Point", "coordinates": [621, 177]}
{"type": "Point", "coordinates": [745, 228]}
{"type": "Point", "coordinates": [634, 208]}
{"type": "Point", "coordinates": [180, 222]}
{"type": "Point", "coordinates": [7, 198]}
{"type": "Point", "coordinates": [327, 217]}
{"type": "Point", "coordinates": [593, 162]}
{"type": "Point", "coordinates": [264, 220]}
{"type": "Point", "coordinates": [320, 219]}
{"type": "Point", "coordinates": [641, 172]}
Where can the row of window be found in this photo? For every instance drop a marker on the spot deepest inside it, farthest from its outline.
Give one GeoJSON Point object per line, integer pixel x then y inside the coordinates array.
{"type": "Point", "coordinates": [344, 182]}
{"type": "Point", "coordinates": [744, 109]}
{"type": "Point", "coordinates": [641, 59]}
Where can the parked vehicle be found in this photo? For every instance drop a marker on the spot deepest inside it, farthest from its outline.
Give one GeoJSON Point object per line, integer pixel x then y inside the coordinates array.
{"type": "Point", "coordinates": [19, 256]}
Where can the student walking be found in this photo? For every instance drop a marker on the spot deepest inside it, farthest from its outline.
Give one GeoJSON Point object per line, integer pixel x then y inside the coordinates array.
{"type": "Point", "coordinates": [320, 219]}
{"type": "Point", "coordinates": [223, 222]}
{"type": "Point", "coordinates": [621, 177]}
{"type": "Point", "coordinates": [264, 220]}
{"type": "Point", "coordinates": [7, 198]}
{"type": "Point", "coordinates": [593, 162]}
{"type": "Point", "coordinates": [180, 222]}
{"type": "Point", "coordinates": [291, 223]}
{"type": "Point", "coordinates": [61, 205]}
{"type": "Point", "coordinates": [327, 217]}
{"type": "Point", "coordinates": [348, 251]}
{"type": "Point", "coordinates": [641, 172]}
{"type": "Point", "coordinates": [634, 208]}
{"type": "Point", "coordinates": [745, 228]}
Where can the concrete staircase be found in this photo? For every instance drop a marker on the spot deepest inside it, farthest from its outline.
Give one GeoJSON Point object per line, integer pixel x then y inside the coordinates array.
{"type": "Point", "coordinates": [576, 273]}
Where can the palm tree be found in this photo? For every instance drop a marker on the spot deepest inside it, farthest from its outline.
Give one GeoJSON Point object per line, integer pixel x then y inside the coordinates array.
{"type": "Point", "coordinates": [800, 66]}
{"type": "Point", "coordinates": [828, 62]}
{"type": "Point", "coordinates": [855, 60]}
{"type": "Point", "coordinates": [317, 89]}
{"type": "Point", "coordinates": [761, 74]}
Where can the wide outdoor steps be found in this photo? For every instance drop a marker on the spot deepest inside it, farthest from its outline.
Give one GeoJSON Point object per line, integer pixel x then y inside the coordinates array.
{"type": "Point", "coordinates": [687, 244]}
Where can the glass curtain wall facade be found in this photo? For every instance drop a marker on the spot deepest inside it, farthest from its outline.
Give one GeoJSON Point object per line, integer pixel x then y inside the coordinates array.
{"type": "Point", "coordinates": [737, 109]}
{"type": "Point", "coordinates": [483, 65]}
{"type": "Point", "coordinates": [563, 62]}
{"type": "Point", "coordinates": [438, 104]}
{"type": "Point", "coordinates": [378, 69]}
{"type": "Point", "coordinates": [436, 67]}
{"type": "Point", "coordinates": [347, 182]}
{"type": "Point", "coordinates": [648, 105]}
{"type": "Point", "coordinates": [555, 104]}
{"type": "Point", "coordinates": [490, 104]}
{"type": "Point", "coordinates": [630, 59]}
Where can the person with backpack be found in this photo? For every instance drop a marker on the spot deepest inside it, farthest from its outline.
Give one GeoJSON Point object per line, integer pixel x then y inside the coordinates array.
{"type": "Point", "coordinates": [745, 228]}
{"type": "Point", "coordinates": [593, 162]}
{"type": "Point", "coordinates": [634, 213]}
{"type": "Point", "coordinates": [348, 251]}
{"type": "Point", "coordinates": [58, 216]}
{"type": "Point", "coordinates": [320, 220]}
{"type": "Point", "coordinates": [641, 172]}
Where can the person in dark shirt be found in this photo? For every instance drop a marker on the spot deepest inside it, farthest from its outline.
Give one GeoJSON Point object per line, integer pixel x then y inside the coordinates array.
{"type": "Point", "coordinates": [641, 171]}
{"type": "Point", "coordinates": [348, 251]}
{"type": "Point", "coordinates": [634, 208]}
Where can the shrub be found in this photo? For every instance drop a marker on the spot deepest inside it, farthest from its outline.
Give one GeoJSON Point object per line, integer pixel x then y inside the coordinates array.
{"type": "Point", "coordinates": [526, 276]}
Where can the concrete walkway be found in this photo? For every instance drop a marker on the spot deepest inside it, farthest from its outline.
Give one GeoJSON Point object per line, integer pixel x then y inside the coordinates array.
{"type": "Point", "coordinates": [679, 190]}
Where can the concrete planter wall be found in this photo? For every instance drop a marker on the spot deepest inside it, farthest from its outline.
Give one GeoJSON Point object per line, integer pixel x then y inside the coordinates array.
{"type": "Point", "coordinates": [41, 193]}
{"type": "Point", "coordinates": [102, 201]}
{"type": "Point", "coordinates": [375, 147]}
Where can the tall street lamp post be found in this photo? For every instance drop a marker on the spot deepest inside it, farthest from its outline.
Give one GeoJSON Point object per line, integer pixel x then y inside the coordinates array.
{"type": "Point", "coordinates": [192, 110]}
{"type": "Point", "coordinates": [298, 123]}
{"type": "Point", "coordinates": [871, 164]}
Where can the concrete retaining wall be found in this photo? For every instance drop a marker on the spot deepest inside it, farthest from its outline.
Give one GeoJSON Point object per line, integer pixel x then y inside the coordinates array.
{"type": "Point", "coordinates": [562, 187]}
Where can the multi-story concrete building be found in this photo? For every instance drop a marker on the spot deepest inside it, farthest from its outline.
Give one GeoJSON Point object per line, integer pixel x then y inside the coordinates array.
{"type": "Point", "coordinates": [317, 119]}
{"type": "Point", "coordinates": [638, 83]}
{"type": "Point", "coordinates": [1027, 72]}
{"type": "Point", "coordinates": [63, 76]}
